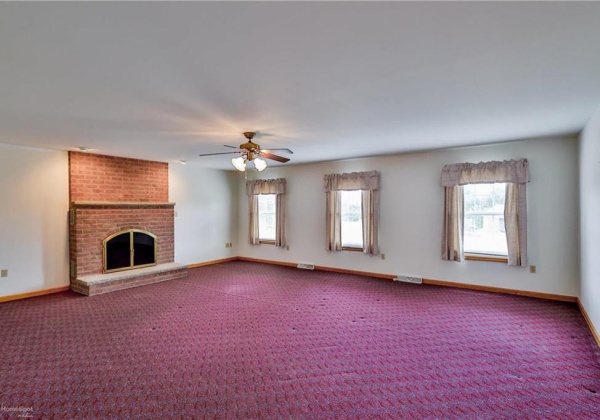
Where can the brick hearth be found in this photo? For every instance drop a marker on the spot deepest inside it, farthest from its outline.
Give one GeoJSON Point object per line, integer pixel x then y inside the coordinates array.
{"type": "Point", "coordinates": [96, 284]}
{"type": "Point", "coordinates": [110, 194]}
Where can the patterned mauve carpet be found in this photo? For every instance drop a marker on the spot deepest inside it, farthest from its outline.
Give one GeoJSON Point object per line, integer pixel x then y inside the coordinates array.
{"type": "Point", "coordinates": [247, 340]}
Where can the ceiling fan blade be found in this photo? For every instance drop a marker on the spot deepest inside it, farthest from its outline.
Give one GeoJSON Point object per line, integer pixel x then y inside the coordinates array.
{"type": "Point", "coordinates": [232, 147]}
{"type": "Point", "coordinates": [267, 155]}
{"type": "Point", "coordinates": [286, 150]}
{"type": "Point", "coordinates": [223, 153]}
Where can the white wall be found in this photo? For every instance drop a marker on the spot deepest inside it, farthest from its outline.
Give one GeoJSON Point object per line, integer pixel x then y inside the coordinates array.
{"type": "Point", "coordinates": [411, 217]}
{"type": "Point", "coordinates": [34, 206]}
{"type": "Point", "coordinates": [206, 213]}
{"type": "Point", "coordinates": [589, 184]}
{"type": "Point", "coordinates": [34, 197]}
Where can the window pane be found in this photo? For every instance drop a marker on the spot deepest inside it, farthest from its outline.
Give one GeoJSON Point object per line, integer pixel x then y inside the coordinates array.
{"type": "Point", "coordinates": [266, 217]}
{"type": "Point", "coordinates": [352, 219]}
{"type": "Point", "coordinates": [484, 219]}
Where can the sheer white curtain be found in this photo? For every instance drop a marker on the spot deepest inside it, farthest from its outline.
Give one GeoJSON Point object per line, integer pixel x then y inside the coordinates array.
{"type": "Point", "coordinates": [266, 186]}
{"type": "Point", "coordinates": [368, 183]}
{"type": "Point", "coordinates": [515, 173]}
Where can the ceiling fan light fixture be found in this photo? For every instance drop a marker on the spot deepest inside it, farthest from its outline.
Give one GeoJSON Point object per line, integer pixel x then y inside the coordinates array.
{"type": "Point", "coordinates": [251, 152]}
{"type": "Point", "coordinates": [239, 163]}
{"type": "Point", "coordinates": [260, 164]}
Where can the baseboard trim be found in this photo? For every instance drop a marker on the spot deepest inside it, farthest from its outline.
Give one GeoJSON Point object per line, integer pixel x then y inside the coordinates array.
{"type": "Point", "coordinates": [356, 272]}
{"type": "Point", "coordinates": [432, 282]}
{"type": "Point", "coordinates": [35, 293]}
{"type": "Point", "coordinates": [321, 268]}
{"type": "Point", "coordinates": [589, 322]}
{"type": "Point", "coordinates": [222, 260]}
{"type": "Point", "coordinates": [491, 289]}
{"type": "Point", "coordinates": [272, 262]}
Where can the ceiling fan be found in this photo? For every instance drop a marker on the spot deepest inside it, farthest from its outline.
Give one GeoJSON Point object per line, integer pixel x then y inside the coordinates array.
{"type": "Point", "coordinates": [252, 152]}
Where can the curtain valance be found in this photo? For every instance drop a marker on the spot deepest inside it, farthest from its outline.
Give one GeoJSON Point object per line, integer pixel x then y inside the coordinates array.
{"type": "Point", "coordinates": [352, 181]}
{"type": "Point", "coordinates": [515, 171]}
{"type": "Point", "coordinates": [265, 186]}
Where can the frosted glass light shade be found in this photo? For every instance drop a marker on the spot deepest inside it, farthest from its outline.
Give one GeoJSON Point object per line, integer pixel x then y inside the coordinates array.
{"type": "Point", "coordinates": [239, 163]}
{"type": "Point", "coordinates": [260, 164]}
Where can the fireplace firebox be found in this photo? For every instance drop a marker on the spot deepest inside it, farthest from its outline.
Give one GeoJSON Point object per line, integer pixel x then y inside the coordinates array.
{"type": "Point", "coordinates": [128, 249]}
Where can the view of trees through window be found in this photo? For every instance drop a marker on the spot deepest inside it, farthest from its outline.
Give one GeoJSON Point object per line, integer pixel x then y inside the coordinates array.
{"type": "Point", "coordinates": [484, 219]}
{"type": "Point", "coordinates": [351, 205]}
{"type": "Point", "coordinates": [266, 217]}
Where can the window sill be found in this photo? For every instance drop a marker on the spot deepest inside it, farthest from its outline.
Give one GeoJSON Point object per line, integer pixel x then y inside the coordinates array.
{"type": "Point", "coordinates": [267, 242]}
{"type": "Point", "coordinates": [486, 257]}
{"type": "Point", "coordinates": [351, 248]}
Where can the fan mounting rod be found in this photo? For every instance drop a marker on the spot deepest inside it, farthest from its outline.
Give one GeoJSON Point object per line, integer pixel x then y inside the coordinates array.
{"type": "Point", "coordinates": [249, 135]}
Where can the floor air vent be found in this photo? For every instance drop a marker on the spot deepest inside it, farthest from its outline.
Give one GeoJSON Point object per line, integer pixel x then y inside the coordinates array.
{"type": "Point", "coordinates": [409, 279]}
{"type": "Point", "coordinates": [306, 266]}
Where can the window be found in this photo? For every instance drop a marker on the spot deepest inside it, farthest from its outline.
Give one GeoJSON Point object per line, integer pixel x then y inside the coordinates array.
{"type": "Point", "coordinates": [476, 218]}
{"type": "Point", "coordinates": [266, 211]}
{"type": "Point", "coordinates": [351, 214]}
{"type": "Point", "coordinates": [266, 217]}
{"type": "Point", "coordinates": [352, 211]}
{"type": "Point", "coordinates": [484, 231]}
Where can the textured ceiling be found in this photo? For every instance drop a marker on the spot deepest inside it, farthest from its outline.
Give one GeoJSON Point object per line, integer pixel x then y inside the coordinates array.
{"type": "Point", "coordinates": [330, 80]}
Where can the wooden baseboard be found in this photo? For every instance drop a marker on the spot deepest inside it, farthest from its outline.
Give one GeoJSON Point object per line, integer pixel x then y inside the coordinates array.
{"type": "Point", "coordinates": [356, 272]}
{"type": "Point", "coordinates": [491, 289]}
{"type": "Point", "coordinates": [321, 268]}
{"type": "Point", "coordinates": [589, 323]}
{"type": "Point", "coordinates": [34, 294]}
{"type": "Point", "coordinates": [222, 260]}
{"type": "Point", "coordinates": [537, 295]}
{"type": "Point", "coordinates": [258, 260]}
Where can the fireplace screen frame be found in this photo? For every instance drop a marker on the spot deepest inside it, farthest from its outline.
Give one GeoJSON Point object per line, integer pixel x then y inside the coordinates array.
{"type": "Point", "coordinates": [132, 264]}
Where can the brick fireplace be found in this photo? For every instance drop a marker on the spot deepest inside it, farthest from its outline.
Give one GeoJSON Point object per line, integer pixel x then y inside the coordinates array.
{"type": "Point", "coordinates": [110, 194]}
